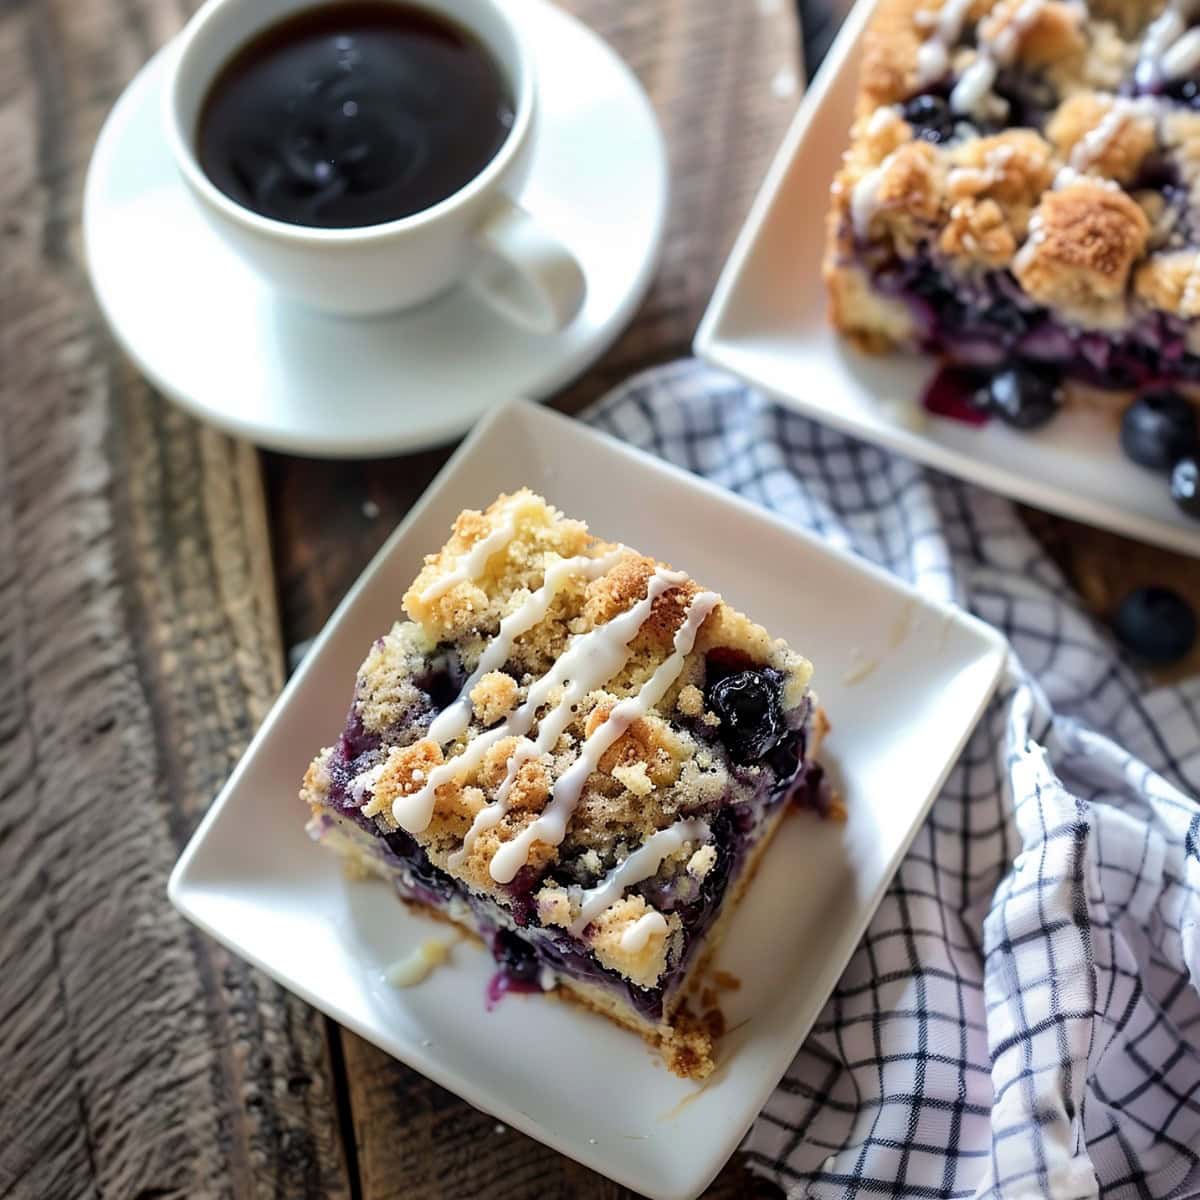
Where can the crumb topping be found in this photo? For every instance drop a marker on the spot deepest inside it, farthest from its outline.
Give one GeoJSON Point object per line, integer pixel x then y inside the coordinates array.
{"type": "Point", "coordinates": [1051, 145]}
{"type": "Point", "coordinates": [590, 719]}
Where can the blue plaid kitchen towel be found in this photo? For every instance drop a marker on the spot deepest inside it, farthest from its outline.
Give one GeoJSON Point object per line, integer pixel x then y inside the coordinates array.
{"type": "Point", "coordinates": [1022, 1018]}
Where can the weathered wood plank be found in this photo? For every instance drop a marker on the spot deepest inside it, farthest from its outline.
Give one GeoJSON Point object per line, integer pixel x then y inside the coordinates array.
{"type": "Point", "coordinates": [139, 648]}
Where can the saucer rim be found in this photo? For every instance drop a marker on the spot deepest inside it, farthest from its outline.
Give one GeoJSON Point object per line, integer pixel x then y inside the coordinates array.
{"type": "Point", "coordinates": [430, 432]}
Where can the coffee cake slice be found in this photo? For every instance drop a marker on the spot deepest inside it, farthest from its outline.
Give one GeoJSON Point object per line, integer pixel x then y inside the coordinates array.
{"type": "Point", "coordinates": [577, 753]}
{"type": "Point", "coordinates": [1020, 199]}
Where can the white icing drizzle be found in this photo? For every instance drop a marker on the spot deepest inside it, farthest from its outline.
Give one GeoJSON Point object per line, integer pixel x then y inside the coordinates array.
{"type": "Point", "coordinates": [864, 199]}
{"type": "Point", "coordinates": [1066, 177]}
{"type": "Point", "coordinates": [635, 939]}
{"type": "Point", "coordinates": [972, 93]}
{"type": "Point", "coordinates": [933, 55]}
{"type": "Point", "coordinates": [881, 118]}
{"type": "Point", "coordinates": [472, 564]}
{"type": "Point", "coordinates": [641, 864]}
{"type": "Point", "coordinates": [1096, 142]}
{"type": "Point", "coordinates": [933, 61]}
{"type": "Point", "coordinates": [1183, 57]}
{"type": "Point", "coordinates": [1007, 42]}
{"type": "Point", "coordinates": [587, 662]}
{"type": "Point", "coordinates": [974, 86]}
{"type": "Point", "coordinates": [453, 720]}
{"type": "Point", "coordinates": [551, 826]}
{"type": "Point", "coordinates": [1161, 35]}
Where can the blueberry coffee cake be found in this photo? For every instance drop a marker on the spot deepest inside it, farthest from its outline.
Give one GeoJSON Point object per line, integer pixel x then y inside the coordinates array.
{"type": "Point", "coordinates": [1021, 197]}
{"type": "Point", "coordinates": [577, 753]}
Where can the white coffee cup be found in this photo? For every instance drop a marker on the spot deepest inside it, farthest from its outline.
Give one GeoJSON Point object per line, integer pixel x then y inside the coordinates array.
{"type": "Point", "coordinates": [478, 235]}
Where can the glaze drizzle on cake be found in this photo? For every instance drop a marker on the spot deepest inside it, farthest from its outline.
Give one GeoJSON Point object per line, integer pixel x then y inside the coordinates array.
{"type": "Point", "coordinates": [575, 752]}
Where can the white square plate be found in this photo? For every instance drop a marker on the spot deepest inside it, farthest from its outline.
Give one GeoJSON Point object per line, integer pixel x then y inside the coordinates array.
{"type": "Point", "coordinates": [252, 878]}
{"type": "Point", "coordinates": [767, 322]}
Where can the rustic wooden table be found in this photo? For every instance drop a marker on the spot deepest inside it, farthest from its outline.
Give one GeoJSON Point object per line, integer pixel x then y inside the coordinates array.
{"type": "Point", "coordinates": [143, 626]}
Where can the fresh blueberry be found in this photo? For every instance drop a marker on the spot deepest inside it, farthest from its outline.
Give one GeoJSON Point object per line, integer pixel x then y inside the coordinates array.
{"type": "Point", "coordinates": [1158, 428]}
{"type": "Point", "coordinates": [1023, 396]}
{"type": "Point", "coordinates": [1185, 484]}
{"type": "Point", "coordinates": [516, 957]}
{"type": "Point", "coordinates": [1156, 624]}
{"type": "Point", "coordinates": [930, 117]}
{"type": "Point", "coordinates": [750, 712]}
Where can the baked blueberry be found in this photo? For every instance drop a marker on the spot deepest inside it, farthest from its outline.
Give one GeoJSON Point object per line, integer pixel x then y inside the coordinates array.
{"type": "Point", "coordinates": [516, 957]}
{"type": "Point", "coordinates": [1023, 396]}
{"type": "Point", "coordinates": [931, 118]}
{"type": "Point", "coordinates": [1158, 428]}
{"type": "Point", "coordinates": [442, 679]}
{"type": "Point", "coordinates": [751, 717]}
{"type": "Point", "coordinates": [1187, 91]}
{"type": "Point", "coordinates": [1156, 624]}
{"type": "Point", "coordinates": [1185, 484]}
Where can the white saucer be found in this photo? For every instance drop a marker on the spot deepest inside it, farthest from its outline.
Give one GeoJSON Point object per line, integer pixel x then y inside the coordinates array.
{"type": "Point", "coordinates": [209, 334]}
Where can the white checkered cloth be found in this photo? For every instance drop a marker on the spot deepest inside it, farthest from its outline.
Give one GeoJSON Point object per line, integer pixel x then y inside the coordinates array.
{"type": "Point", "coordinates": [1022, 1018]}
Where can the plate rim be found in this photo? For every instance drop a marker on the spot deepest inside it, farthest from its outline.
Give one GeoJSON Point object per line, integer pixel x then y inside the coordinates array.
{"type": "Point", "coordinates": [992, 648]}
{"type": "Point", "coordinates": [434, 432]}
{"type": "Point", "coordinates": [714, 346]}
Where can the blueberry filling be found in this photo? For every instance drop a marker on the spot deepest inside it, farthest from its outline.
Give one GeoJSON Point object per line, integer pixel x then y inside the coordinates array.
{"type": "Point", "coordinates": [954, 392]}
{"type": "Point", "coordinates": [1006, 357]}
{"type": "Point", "coordinates": [517, 958]}
{"type": "Point", "coordinates": [991, 322]}
{"type": "Point", "coordinates": [754, 730]}
{"type": "Point", "coordinates": [355, 752]}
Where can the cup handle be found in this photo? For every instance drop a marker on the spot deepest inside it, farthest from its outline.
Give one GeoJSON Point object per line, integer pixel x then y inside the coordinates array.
{"type": "Point", "coordinates": [525, 274]}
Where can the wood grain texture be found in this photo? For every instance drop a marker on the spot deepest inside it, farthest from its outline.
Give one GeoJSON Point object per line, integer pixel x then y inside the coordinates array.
{"type": "Point", "coordinates": [139, 649]}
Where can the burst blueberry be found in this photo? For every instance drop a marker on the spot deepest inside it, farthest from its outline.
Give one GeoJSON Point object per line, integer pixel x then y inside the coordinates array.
{"type": "Point", "coordinates": [1158, 428]}
{"type": "Point", "coordinates": [751, 716]}
{"type": "Point", "coordinates": [1155, 624]}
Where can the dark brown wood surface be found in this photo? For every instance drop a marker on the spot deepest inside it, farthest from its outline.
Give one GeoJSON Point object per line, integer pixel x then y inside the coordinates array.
{"type": "Point", "coordinates": [139, 647]}
{"type": "Point", "coordinates": [141, 641]}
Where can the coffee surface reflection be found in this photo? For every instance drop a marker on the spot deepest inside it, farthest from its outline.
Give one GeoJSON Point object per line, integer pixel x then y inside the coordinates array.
{"type": "Point", "coordinates": [353, 114]}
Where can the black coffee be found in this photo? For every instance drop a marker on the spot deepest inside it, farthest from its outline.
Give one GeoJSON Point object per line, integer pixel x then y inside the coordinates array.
{"type": "Point", "coordinates": [352, 114]}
